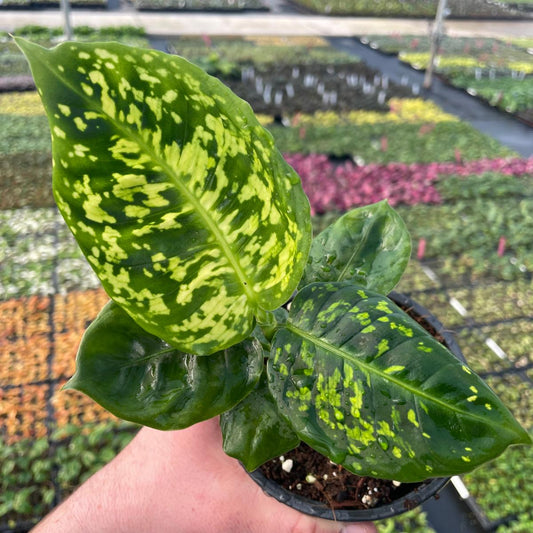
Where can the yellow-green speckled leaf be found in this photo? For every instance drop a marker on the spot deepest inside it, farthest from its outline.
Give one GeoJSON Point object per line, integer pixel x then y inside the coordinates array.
{"type": "Point", "coordinates": [188, 214]}
{"type": "Point", "coordinates": [366, 385]}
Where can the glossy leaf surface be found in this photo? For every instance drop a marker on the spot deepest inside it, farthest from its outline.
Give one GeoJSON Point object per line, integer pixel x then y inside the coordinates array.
{"type": "Point", "coordinates": [369, 245]}
{"type": "Point", "coordinates": [190, 217]}
{"type": "Point", "coordinates": [254, 432]}
{"type": "Point", "coordinates": [364, 384]}
{"type": "Point", "coordinates": [138, 377]}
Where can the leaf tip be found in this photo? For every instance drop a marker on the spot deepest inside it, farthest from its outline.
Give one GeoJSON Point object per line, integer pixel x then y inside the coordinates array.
{"type": "Point", "coordinates": [30, 49]}
{"type": "Point", "coordinates": [73, 383]}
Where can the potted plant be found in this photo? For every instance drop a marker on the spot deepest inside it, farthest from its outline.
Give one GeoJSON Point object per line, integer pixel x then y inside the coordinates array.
{"type": "Point", "coordinates": [200, 233]}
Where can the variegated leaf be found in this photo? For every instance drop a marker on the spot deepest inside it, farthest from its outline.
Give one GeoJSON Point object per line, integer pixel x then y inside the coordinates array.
{"type": "Point", "coordinates": [364, 384]}
{"type": "Point", "coordinates": [369, 245]}
{"type": "Point", "coordinates": [139, 377]}
{"type": "Point", "coordinates": [188, 214]}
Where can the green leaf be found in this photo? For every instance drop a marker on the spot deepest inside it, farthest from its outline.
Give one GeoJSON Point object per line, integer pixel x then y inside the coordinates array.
{"type": "Point", "coordinates": [22, 500]}
{"type": "Point", "coordinates": [364, 384]}
{"type": "Point", "coordinates": [139, 377]}
{"type": "Point", "coordinates": [369, 245]}
{"type": "Point", "coordinates": [254, 432]}
{"type": "Point", "coordinates": [184, 208]}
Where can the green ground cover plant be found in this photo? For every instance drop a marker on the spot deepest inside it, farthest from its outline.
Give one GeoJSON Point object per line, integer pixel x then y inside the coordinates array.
{"type": "Point", "coordinates": [36, 248]}
{"type": "Point", "coordinates": [525, 2]}
{"type": "Point", "coordinates": [36, 474]}
{"type": "Point", "coordinates": [523, 42]}
{"type": "Point", "coordinates": [412, 522]}
{"type": "Point", "coordinates": [486, 185]}
{"type": "Point", "coordinates": [385, 8]}
{"type": "Point", "coordinates": [23, 134]}
{"type": "Point", "coordinates": [513, 300]}
{"type": "Point", "coordinates": [406, 143]}
{"type": "Point", "coordinates": [393, 8]}
{"type": "Point", "coordinates": [450, 65]}
{"type": "Point", "coordinates": [24, 153]}
{"type": "Point", "coordinates": [501, 495]}
{"type": "Point", "coordinates": [473, 230]}
{"type": "Point", "coordinates": [260, 52]}
{"type": "Point", "coordinates": [505, 92]}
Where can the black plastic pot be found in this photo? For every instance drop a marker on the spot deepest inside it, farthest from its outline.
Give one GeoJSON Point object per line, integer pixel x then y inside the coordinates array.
{"type": "Point", "coordinates": [420, 494]}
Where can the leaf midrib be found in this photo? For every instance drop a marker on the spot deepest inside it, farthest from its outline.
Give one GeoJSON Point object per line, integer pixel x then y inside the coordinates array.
{"type": "Point", "coordinates": [355, 253]}
{"type": "Point", "coordinates": [245, 282]}
{"type": "Point", "coordinates": [371, 370]}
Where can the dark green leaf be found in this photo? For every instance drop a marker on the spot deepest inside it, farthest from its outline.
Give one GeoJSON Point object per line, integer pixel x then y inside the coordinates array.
{"type": "Point", "coordinates": [364, 384]}
{"type": "Point", "coordinates": [139, 377]}
{"type": "Point", "coordinates": [369, 245]}
{"type": "Point", "coordinates": [177, 196]}
{"type": "Point", "coordinates": [253, 430]}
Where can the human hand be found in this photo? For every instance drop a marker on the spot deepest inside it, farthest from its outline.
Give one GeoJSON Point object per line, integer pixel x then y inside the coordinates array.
{"type": "Point", "coordinates": [180, 481]}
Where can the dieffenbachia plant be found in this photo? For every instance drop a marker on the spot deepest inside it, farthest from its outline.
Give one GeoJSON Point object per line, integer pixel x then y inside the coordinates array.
{"type": "Point", "coordinates": [200, 233]}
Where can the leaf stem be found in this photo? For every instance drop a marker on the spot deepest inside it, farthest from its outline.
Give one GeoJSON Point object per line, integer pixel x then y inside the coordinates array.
{"type": "Point", "coordinates": [268, 323]}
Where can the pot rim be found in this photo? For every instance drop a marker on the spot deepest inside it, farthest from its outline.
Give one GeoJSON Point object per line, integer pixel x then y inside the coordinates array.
{"type": "Point", "coordinates": [409, 501]}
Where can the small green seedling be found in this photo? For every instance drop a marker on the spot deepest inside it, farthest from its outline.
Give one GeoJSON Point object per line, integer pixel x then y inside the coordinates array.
{"type": "Point", "coordinates": [200, 233]}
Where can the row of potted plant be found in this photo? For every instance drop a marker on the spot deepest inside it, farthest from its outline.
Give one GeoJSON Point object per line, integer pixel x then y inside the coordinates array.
{"type": "Point", "coordinates": [405, 110]}
{"type": "Point", "coordinates": [505, 219]}
{"type": "Point", "coordinates": [201, 5]}
{"type": "Point", "coordinates": [29, 267]}
{"type": "Point", "coordinates": [367, 136]}
{"type": "Point", "coordinates": [75, 408]}
{"type": "Point", "coordinates": [502, 92]}
{"type": "Point", "coordinates": [489, 51]}
{"type": "Point", "coordinates": [410, 110]}
{"type": "Point", "coordinates": [331, 186]}
{"type": "Point", "coordinates": [39, 4]}
{"type": "Point", "coordinates": [46, 34]}
{"type": "Point", "coordinates": [398, 8]}
{"type": "Point", "coordinates": [260, 51]}
{"type": "Point", "coordinates": [28, 326]}
{"type": "Point", "coordinates": [379, 143]}
{"type": "Point", "coordinates": [12, 62]}
{"type": "Point", "coordinates": [498, 72]}
{"type": "Point", "coordinates": [23, 411]}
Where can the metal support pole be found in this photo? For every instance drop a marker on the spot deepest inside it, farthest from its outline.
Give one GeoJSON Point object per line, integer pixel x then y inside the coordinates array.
{"type": "Point", "coordinates": [65, 8]}
{"type": "Point", "coordinates": [436, 36]}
